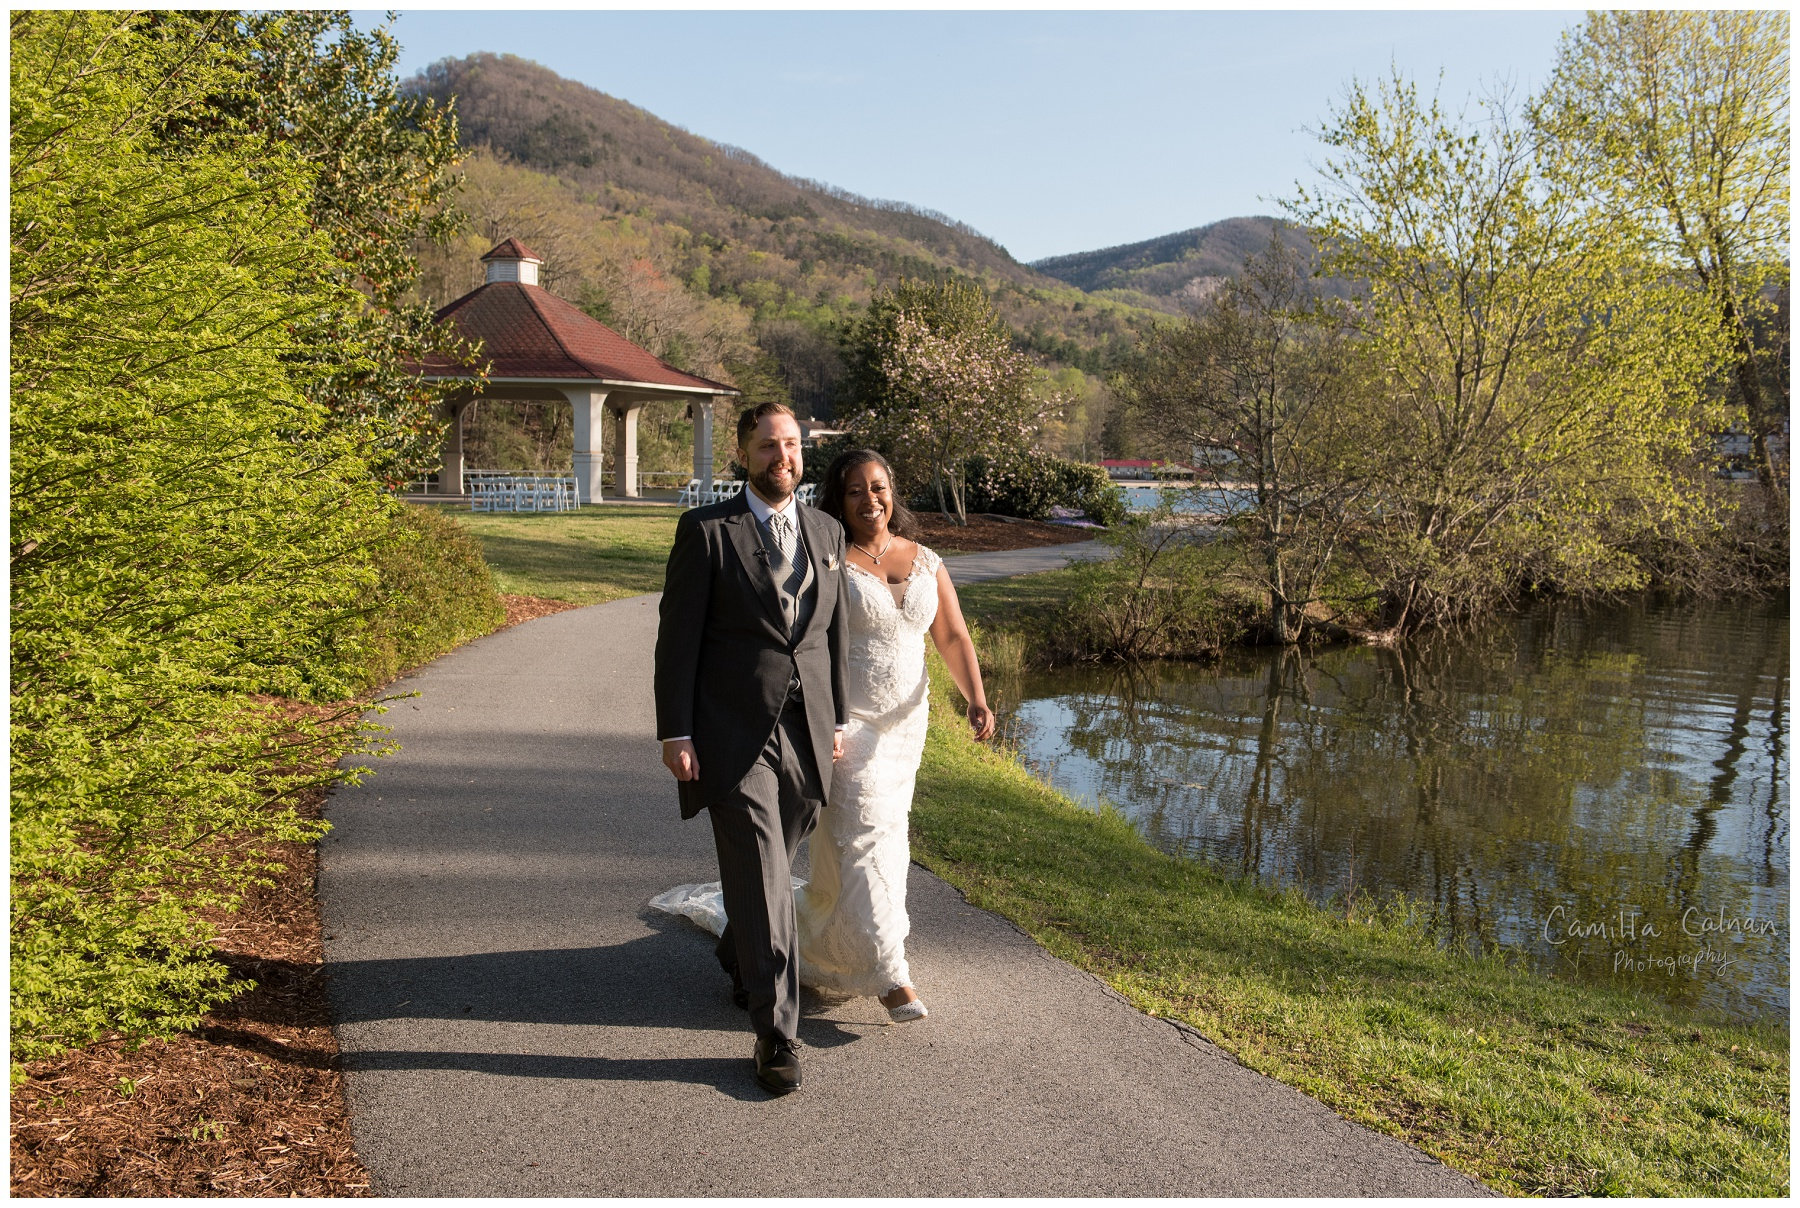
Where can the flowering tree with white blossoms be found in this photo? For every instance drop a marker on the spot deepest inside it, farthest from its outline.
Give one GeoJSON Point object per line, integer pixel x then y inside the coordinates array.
{"type": "Point", "coordinates": [934, 380]}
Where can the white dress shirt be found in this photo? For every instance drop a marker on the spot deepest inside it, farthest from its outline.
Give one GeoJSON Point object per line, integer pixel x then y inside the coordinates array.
{"type": "Point", "coordinates": [762, 510]}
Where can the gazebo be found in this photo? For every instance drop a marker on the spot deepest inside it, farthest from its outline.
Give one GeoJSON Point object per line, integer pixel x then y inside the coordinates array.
{"type": "Point", "coordinates": [539, 347]}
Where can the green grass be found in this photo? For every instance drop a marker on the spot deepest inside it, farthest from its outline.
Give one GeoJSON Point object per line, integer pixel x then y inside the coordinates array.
{"type": "Point", "coordinates": [1019, 602]}
{"type": "Point", "coordinates": [1536, 1086]}
{"type": "Point", "coordinates": [603, 552]}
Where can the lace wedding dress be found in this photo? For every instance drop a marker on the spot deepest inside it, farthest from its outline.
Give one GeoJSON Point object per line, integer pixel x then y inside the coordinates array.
{"type": "Point", "coordinates": [852, 915]}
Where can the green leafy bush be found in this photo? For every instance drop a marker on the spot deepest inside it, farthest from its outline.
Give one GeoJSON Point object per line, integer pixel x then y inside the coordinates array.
{"type": "Point", "coordinates": [1160, 597]}
{"type": "Point", "coordinates": [435, 593]}
{"type": "Point", "coordinates": [189, 528]}
{"type": "Point", "coordinates": [1031, 483]}
{"type": "Point", "coordinates": [818, 459]}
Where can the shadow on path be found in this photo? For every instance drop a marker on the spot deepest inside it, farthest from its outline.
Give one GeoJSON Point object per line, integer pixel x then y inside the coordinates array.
{"type": "Point", "coordinates": [727, 1076]}
{"type": "Point", "coordinates": [625, 985]}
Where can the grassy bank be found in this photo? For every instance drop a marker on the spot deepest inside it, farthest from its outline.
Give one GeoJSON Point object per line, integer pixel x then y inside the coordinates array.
{"type": "Point", "coordinates": [1535, 1086]}
{"type": "Point", "coordinates": [1183, 599]}
{"type": "Point", "coordinates": [603, 552]}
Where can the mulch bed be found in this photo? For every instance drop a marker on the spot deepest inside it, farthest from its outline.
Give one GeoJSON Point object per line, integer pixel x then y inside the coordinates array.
{"type": "Point", "coordinates": [989, 534]}
{"type": "Point", "coordinates": [251, 1103]}
{"type": "Point", "coordinates": [520, 609]}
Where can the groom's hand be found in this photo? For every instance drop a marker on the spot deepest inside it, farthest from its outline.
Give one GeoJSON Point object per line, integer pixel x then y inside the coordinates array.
{"type": "Point", "coordinates": [679, 758]}
{"type": "Point", "coordinates": [837, 745]}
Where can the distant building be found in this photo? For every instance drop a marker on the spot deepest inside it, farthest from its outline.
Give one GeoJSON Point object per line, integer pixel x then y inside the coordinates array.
{"type": "Point", "coordinates": [1215, 456]}
{"type": "Point", "coordinates": [1141, 470]}
{"type": "Point", "coordinates": [812, 431]}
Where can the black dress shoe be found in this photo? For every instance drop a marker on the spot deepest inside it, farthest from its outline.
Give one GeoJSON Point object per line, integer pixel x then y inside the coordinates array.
{"type": "Point", "coordinates": [777, 1064]}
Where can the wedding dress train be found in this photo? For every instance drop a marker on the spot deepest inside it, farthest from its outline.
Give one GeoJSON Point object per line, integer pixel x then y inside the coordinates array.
{"type": "Point", "coordinates": [852, 914]}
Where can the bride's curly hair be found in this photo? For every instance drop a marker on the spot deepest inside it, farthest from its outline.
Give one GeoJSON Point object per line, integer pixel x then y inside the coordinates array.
{"type": "Point", "coordinates": [901, 523]}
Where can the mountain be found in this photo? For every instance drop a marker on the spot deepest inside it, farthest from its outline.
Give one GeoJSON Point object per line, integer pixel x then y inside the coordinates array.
{"type": "Point", "coordinates": [1170, 272]}
{"type": "Point", "coordinates": [540, 119]}
{"type": "Point", "coordinates": [586, 179]}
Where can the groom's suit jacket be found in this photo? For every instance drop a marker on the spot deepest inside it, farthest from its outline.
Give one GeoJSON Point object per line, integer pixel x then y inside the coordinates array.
{"type": "Point", "coordinates": [724, 657]}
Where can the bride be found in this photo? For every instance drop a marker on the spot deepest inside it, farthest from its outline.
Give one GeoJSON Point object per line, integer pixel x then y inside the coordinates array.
{"type": "Point", "coordinates": [852, 915]}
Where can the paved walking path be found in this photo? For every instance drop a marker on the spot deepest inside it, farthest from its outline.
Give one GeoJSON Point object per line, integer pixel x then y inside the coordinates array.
{"type": "Point", "coordinates": [516, 1021]}
{"type": "Point", "coordinates": [977, 568]}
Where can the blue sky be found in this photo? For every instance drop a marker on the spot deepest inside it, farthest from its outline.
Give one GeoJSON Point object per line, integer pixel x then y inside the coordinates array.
{"type": "Point", "coordinates": [1050, 132]}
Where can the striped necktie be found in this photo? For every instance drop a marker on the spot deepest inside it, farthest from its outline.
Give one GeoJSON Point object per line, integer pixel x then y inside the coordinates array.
{"type": "Point", "coordinates": [783, 532]}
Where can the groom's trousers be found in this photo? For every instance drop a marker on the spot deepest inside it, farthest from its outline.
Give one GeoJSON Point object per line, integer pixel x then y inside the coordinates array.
{"type": "Point", "coordinates": [757, 828]}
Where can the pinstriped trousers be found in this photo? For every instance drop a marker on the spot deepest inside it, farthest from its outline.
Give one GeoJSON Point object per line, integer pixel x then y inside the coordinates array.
{"type": "Point", "coordinates": [757, 827]}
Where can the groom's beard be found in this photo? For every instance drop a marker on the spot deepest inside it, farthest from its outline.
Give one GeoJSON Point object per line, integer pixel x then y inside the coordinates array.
{"type": "Point", "coordinates": [772, 489]}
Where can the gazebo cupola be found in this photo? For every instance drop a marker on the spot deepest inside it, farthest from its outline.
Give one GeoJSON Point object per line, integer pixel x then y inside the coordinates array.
{"type": "Point", "coordinates": [512, 261]}
{"type": "Point", "coordinates": [538, 346]}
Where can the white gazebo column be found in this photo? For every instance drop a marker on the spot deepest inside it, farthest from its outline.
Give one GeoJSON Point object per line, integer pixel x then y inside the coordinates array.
{"type": "Point", "coordinates": [625, 470]}
{"type": "Point", "coordinates": [590, 428]}
{"type": "Point", "coordinates": [703, 443]}
{"type": "Point", "coordinates": [450, 477]}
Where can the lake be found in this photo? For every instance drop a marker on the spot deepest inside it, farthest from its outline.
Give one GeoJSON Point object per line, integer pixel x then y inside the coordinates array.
{"type": "Point", "coordinates": [1205, 501]}
{"type": "Point", "coordinates": [1605, 790]}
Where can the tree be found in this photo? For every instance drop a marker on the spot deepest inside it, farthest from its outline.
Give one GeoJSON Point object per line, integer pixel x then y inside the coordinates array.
{"type": "Point", "coordinates": [188, 524]}
{"type": "Point", "coordinates": [381, 166]}
{"type": "Point", "coordinates": [1254, 387]}
{"type": "Point", "coordinates": [1680, 120]}
{"type": "Point", "coordinates": [1075, 429]}
{"type": "Point", "coordinates": [1536, 383]}
{"type": "Point", "coordinates": [933, 381]}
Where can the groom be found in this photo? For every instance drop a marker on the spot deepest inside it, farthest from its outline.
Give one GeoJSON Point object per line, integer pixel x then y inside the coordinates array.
{"type": "Point", "coordinates": [750, 668]}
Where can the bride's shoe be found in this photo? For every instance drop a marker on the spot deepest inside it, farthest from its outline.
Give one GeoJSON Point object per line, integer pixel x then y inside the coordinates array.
{"type": "Point", "coordinates": [908, 1010]}
{"type": "Point", "coordinates": [911, 1009]}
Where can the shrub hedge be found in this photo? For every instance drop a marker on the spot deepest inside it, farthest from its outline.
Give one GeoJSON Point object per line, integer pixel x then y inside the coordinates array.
{"type": "Point", "coordinates": [1031, 483]}
{"type": "Point", "coordinates": [433, 592]}
{"type": "Point", "coordinates": [191, 532]}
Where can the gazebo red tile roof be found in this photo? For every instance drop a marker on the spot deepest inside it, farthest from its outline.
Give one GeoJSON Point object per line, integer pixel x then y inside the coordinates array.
{"type": "Point", "coordinates": [529, 333]}
{"type": "Point", "coordinates": [512, 249]}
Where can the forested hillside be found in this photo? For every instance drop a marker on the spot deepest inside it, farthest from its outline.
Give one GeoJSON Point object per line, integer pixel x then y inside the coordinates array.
{"type": "Point", "coordinates": [666, 234]}
{"type": "Point", "coordinates": [1172, 272]}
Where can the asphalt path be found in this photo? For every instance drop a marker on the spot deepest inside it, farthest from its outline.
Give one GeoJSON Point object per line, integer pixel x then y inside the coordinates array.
{"type": "Point", "coordinates": [516, 1021]}
{"type": "Point", "coordinates": [978, 568]}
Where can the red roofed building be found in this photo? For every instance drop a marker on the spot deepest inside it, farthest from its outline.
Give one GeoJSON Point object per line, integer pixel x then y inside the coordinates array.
{"type": "Point", "coordinates": [537, 346]}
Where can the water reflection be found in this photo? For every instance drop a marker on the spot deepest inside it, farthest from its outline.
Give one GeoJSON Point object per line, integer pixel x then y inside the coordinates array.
{"type": "Point", "coordinates": [1582, 785]}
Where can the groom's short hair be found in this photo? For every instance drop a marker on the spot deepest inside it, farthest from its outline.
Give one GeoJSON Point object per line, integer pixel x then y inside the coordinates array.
{"type": "Point", "coordinates": [753, 415]}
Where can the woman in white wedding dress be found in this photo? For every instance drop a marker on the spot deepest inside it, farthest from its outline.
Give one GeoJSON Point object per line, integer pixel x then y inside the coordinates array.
{"type": "Point", "coordinates": [852, 914]}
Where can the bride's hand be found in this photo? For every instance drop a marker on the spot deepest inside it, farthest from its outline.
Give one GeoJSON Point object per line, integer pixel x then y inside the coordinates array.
{"type": "Point", "coordinates": [981, 720]}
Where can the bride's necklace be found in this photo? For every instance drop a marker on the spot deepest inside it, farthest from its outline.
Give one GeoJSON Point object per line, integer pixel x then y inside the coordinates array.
{"type": "Point", "coordinates": [873, 556]}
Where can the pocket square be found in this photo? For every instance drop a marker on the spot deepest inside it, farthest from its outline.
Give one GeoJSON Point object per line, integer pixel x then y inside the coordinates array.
{"type": "Point", "coordinates": [831, 561]}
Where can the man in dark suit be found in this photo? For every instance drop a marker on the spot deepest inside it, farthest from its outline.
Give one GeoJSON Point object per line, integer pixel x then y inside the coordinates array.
{"type": "Point", "coordinates": [750, 665]}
